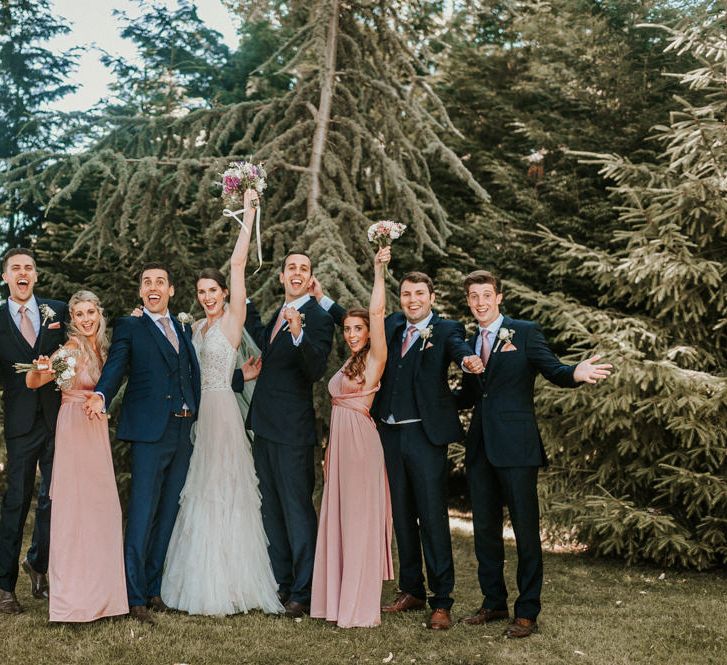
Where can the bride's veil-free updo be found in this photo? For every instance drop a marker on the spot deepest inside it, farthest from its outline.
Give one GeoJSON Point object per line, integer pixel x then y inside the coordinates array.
{"type": "Point", "coordinates": [86, 352]}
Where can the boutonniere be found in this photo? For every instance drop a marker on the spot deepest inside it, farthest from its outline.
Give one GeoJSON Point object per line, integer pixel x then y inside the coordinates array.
{"type": "Point", "coordinates": [505, 335]}
{"type": "Point", "coordinates": [185, 319]}
{"type": "Point", "coordinates": [48, 313]}
{"type": "Point", "coordinates": [425, 335]}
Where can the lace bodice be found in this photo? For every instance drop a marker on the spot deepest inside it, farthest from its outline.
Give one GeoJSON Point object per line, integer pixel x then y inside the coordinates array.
{"type": "Point", "coordinates": [216, 356]}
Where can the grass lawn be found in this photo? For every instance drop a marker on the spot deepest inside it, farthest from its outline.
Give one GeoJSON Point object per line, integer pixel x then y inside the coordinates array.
{"type": "Point", "coordinates": [595, 612]}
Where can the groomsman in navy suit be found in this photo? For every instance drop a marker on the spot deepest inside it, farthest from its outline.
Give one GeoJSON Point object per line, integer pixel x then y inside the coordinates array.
{"type": "Point", "coordinates": [160, 403]}
{"type": "Point", "coordinates": [504, 450]}
{"type": "Point", "coordinates": [416, 414]}
{"type": "Point", "coordinates": [30, 423]}
{"type": "Point", "coordinates": [295, 345]}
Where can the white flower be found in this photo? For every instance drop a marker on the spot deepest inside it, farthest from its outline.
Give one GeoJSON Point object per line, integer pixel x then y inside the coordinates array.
{"type": "Point", "coordinates": [68, 374]}
{"type": "Point", "coordinates": [425, 335]}
{"type": "Point", "coordinates": [47, 312]}
{"type": "Point", "coordinates": [185, 318]}
{"type": "Point", "coordinates": [505, 335]}
{"type": "Point", "coordinates": [71, 361]}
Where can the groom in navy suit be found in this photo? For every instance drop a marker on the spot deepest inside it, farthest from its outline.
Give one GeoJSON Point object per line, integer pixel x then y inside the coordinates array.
{"type": "Point", "coordinates": [160, 403]}
{"type": "Point", "coordinates": [30, 423]}
{"type": "Point", "coordinates": [295, 345]}
{"type": "Point", "coordinates": [504, 450]}
{"type": "Point", "coordinates": [416, 415]}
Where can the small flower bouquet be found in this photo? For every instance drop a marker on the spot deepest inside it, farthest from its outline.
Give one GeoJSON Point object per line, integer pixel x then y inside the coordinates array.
{"type": "Point", "coordinates": [48, 313]}
{"type": "Point", "coordinates": [383, 232]}
{"type": "Point", "coordinates": [239, 177]}
{"type": "Point", "coordinates": [185, 319]}
{"type": "Point", "coordinates": [63, 364]}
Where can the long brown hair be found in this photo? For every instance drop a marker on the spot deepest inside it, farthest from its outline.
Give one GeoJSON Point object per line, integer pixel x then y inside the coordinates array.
{"type": "Point", "coordinates": [355, 368]}
{"type": "Point", "coordinates": [93, 362]}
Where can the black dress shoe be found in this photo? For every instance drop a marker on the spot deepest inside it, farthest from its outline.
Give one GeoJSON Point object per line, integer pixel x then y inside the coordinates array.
{"type": "Point", "coordinates": [38, 581]}
{"type": "Point", "coordinates": [485, 615]}
{"type": "Point", "coordinates": [156, 604]}
{"type": "Point", "coordinates": [141, 614]}
{"type": "Point", "coordinates": [9, 603]}
{"type": "Point", "coordinates": [296, 610]}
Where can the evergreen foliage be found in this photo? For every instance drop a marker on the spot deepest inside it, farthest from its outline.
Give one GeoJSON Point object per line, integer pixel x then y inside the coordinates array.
{"type": "Point", "coordinates": [640, 464]}
{"type": "Point", "coordinates": [31, 77]}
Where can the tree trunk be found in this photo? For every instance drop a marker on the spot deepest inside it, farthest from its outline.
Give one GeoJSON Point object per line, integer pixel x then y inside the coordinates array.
{"type": "Point", "coordinates": [323, 115]}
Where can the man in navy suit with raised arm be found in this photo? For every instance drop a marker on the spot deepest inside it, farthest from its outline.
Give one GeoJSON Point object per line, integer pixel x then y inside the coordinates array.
{"type": "Point", "coordinates": [295, 345]}
{"type": "Point", "coordinates": [504, 450]}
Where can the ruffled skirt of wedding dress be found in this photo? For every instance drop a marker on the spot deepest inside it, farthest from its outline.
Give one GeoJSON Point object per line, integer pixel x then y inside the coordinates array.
{"type": "Point", "coordinates": [217, 562]}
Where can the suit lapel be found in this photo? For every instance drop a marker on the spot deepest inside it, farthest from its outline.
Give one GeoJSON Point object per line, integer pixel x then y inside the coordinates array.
{"type": "Point", "coordinates": [494, 361]}
{"type": "Point", "coordinates": [419, 345]}
{"type": "Point", "coordinates": [161, 341]}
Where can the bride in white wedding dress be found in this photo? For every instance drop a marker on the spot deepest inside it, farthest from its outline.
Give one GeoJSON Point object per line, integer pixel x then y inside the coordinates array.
{"type": "Point", "coordinates": [217, 562]}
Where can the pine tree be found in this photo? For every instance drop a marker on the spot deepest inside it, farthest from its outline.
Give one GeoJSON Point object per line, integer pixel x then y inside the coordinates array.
{"type": "Point", "coordinates": [640, 464]}
{"type": "Point", "coordinates": [350, 139]}
{"type": "Point", "coordinates": [31, 77]}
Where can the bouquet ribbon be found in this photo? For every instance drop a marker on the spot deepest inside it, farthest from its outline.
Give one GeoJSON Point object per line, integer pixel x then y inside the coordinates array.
{"type": "Point", "coordinates": [234, 214]}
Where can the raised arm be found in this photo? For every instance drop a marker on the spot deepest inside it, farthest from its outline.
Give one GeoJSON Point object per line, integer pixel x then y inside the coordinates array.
{"type": "Point", "coordinates": [234, 321]}
{"type": "Point", "coordinates": [376, 361]}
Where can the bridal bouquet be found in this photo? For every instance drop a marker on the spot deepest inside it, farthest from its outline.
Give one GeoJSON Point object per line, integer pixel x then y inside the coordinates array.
{"type": "Point", "coordinates": [63, 364]}
{"type": "Point", "coordinates": [236, 180]}
{"type": "Point", "coordinates": [239, 177]}
{"type": "Point", "coordinates": [383, 232]}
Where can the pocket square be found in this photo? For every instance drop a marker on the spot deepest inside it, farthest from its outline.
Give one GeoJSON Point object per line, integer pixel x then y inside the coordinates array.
{"type": "Point", "coordinates": [54, 326]}
{"type": "Point", "coordinates": [429, 345]}
{"type": "Point", "coordinates": [509, 347]}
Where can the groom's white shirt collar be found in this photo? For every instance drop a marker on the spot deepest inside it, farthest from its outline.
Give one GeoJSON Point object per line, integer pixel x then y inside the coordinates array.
{"type": "Point", "coordinates": [157, 317]}
{"type": "Point", "coordinates": [419, 326]}
{"type": "Point", "coordinates": [491, 330]}
{"type": "Point", "coordinates": [494, 326]}
{"type": "Point", "coordinates": [299, 302]}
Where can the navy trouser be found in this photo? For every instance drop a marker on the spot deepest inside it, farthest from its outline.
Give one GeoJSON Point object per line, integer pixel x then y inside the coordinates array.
{"type": "Point", "coordinates": [158, 473]}
{"type": "Point", "coordinates": [287, 479]}
{"type": "Point", "coordinates": [418, 472]}
{"type": "Point", "coordinates": [516, 487]}
{"type": "Point", "coordinates": [25, 454]}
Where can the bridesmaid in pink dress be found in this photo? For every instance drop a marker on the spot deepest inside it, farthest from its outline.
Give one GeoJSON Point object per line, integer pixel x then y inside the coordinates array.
{"type": "Point", "coordinates": [353, 550]}
{"type": "Point", "coordinates": [86, 564]}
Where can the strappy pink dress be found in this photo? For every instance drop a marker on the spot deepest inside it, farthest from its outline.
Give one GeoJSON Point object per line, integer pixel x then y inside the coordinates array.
{"type": "Point", "coordinates": [86, 560]}
{"type": "Point", "coordinates": [353, 550]}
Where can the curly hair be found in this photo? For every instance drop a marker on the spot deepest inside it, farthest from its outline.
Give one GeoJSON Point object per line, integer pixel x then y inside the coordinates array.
{"type": "Point", "coordinates": [355, 368]}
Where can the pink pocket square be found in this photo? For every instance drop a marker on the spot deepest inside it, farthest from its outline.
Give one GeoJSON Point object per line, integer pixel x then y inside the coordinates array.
{"type": "Point", "coordinates": [429, 345]}
{"type": "Point", "coordinates": [54, 326]}
{"type": "Point", "coordinates": [509, 347]}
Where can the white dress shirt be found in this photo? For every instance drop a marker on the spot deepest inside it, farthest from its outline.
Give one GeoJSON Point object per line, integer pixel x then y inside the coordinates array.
{"type": "Point", "coordinates": [157, 319]}
{"type": "Point", "coordinates": [491, 334]}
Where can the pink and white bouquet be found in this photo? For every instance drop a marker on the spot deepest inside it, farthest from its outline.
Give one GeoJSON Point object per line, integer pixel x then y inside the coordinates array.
{"type": "Point", "coordinates": [63, 364]}
{"type": "Point", "coordinates": [383, 232]}
{"type": "Point", "coordinates": [239, 177]}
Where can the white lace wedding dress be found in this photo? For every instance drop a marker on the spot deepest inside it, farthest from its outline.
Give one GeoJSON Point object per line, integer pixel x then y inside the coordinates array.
{"type": "Point", "coordinates": [217, 562]}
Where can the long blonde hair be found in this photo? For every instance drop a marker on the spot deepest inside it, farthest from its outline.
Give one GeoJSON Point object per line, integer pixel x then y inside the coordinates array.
{"type": "Point", "coordinates": [87, 352]}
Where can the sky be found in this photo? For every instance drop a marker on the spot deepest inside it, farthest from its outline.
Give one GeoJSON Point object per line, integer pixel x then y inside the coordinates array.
{"type": "Point", "coordinates": [91, 21]}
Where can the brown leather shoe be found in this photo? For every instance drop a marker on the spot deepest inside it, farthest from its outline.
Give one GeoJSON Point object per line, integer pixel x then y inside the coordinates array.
{"type": "Point", "coordinates": [441, 619]}
{"type": "Point", "coordinates": [296, 610]}
{"type": "Point", "coordinates": [485, 615]}
{"type": "Point", "coordinates": [141, 614]}
{"type": "Point", "coordinates": [156, 604]}
{"type": "Point", "coordinates": [405, 602]}
{"type": "Point", "coordinates": [9, 603]}
{"type": "Point", "coordinates": [521, 628]}
{"type": "Point", "coordinates": [38, 581]}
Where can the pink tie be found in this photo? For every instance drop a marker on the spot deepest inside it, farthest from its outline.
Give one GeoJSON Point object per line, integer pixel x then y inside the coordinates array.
{"type": "Point", "coordinates": [278, 323]}
{"type": "Point", "coordinates": [485, 348]}
{"type": "Point", "coordinates": [169, 333]}
{"type": "Point", "coordinates": [407, 341]}
{"type": "Point", "coordinates": [26, 327]}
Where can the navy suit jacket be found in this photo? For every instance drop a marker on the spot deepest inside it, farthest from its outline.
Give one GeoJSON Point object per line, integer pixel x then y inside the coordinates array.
{"type": "Point", "coordinates": [21, 403]}
{"type": "Point", "coordinates": [140, 350]}
{"type": "Point", "coordinates": [281, 409]}
{"type": "Point", "coordinates": [436, 404]}
{"type": "Point", "coordinates": [504, 415]}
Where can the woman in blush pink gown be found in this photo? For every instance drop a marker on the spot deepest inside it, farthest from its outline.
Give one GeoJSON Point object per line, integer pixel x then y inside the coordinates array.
{"type": "Point", "coordinates": [353, 550]}
{"type": "Point", "coordinates": [86, 561]}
